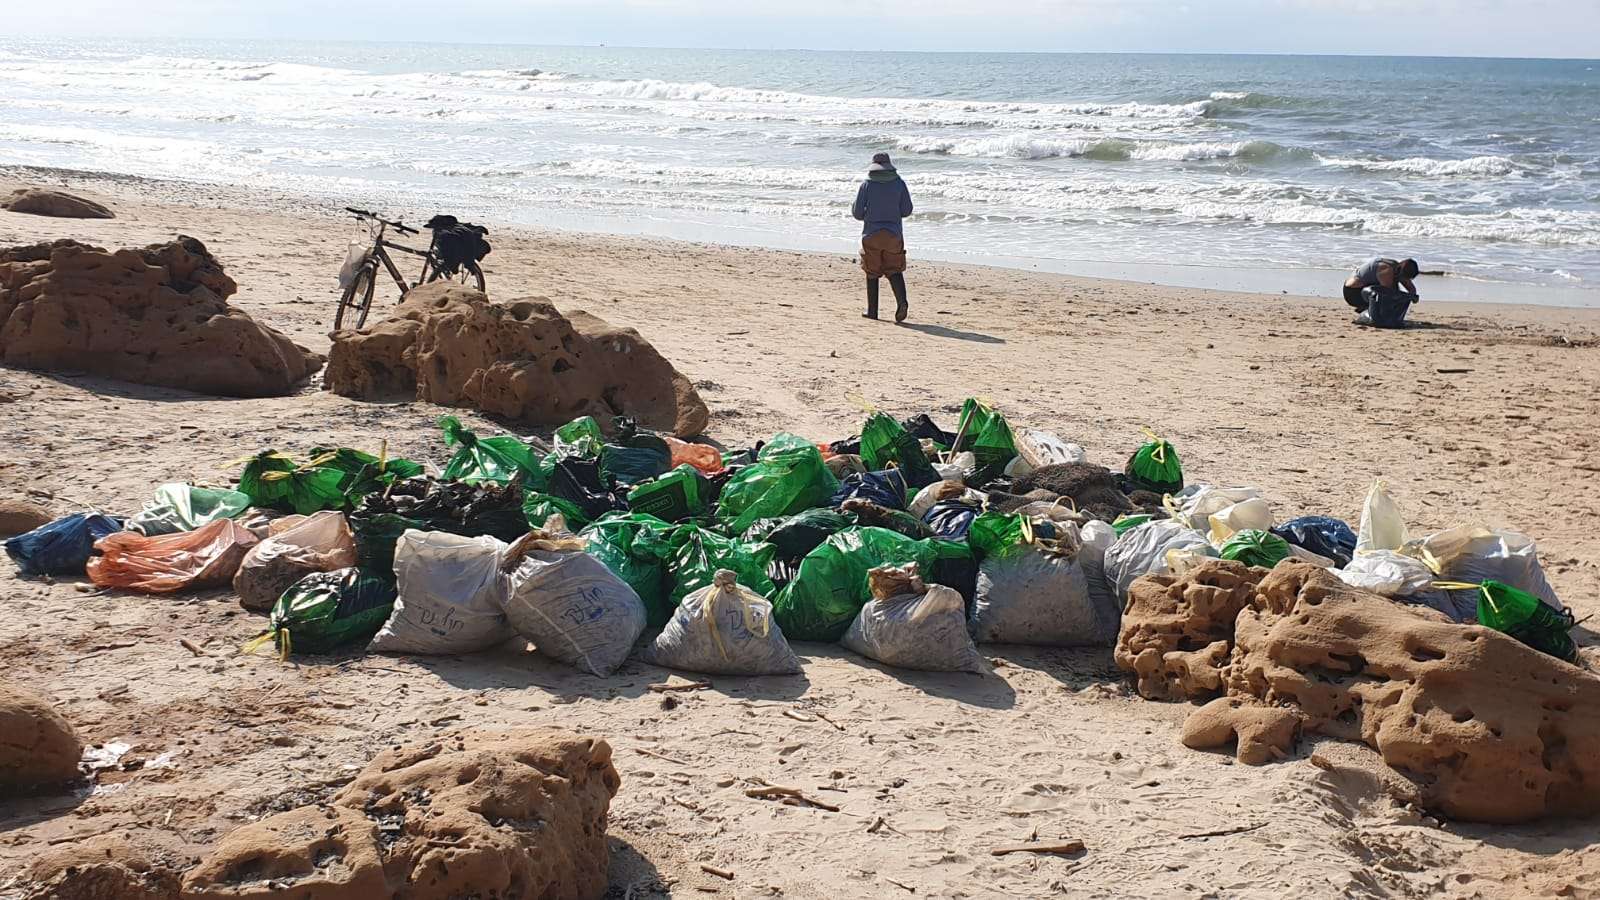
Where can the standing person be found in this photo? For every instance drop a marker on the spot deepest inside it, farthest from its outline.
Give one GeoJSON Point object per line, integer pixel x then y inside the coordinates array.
{"type": "Point", "coordinates": [1386, 274]}
{"type": "Point", "coordinates": [881, 203]}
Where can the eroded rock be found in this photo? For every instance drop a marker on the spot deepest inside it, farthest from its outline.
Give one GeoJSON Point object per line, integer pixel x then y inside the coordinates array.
{"type": "Point", "coordinates": [1177, 633]}
{"type": "Point", "coordinates": [509, 816]}
{"type": "Point", "coordinates": [522, 360]}
{"type": "Point", "coordinates": [153, 316]}
{"type": "Point", "coordinates": [47, 202]}
{"type": "Point", "coordinates": [1491, 729]}
{"type": "Point", "coordinates": [103, 867]}
{"type": "Point", "coordinates": [38, 747]}
{"type": "Point", "coordinates": [1260, 733]}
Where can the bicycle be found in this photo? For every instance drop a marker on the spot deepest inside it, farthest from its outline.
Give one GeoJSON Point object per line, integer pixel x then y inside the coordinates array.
{"type": "Point", "coordinates": [357, 296]}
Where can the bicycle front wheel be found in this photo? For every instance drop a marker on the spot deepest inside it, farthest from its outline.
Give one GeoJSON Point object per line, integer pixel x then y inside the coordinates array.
{"type": "Point", "coordinates": [356, 301]}
{"type": "Point", "coordinates": [467, 275]}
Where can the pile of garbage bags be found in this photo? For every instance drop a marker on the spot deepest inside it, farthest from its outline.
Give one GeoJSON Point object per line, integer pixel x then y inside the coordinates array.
{"type": "Point", "coordinates": [907, 543]}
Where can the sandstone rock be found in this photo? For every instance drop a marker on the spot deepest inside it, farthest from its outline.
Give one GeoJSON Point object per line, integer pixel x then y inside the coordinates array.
{"type": "Point", "coordinates": [1261, 733]}
{"type": "Point", "coordinates": [38, 748]}
{"type": "Point", "coordinates": [153, 316]}
{"type": "Point", "coordinates": [1177, 632]}
{"type": "Point", "coordinates": [18, 516]}
{"type": "Point", "coordinates": [522, 360]}
{"type": "Point", "coordinates": [514, 817]}
{"type": "Point", "coordinates": [46, 202]}
{"type": "Point", "coordinates": [1492, 729]}
{"type": "Point", "coordinates": [103, 867]}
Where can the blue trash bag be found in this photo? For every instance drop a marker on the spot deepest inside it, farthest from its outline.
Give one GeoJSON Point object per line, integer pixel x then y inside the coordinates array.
{"type": "Point", "coordinates": [886, 488]}
{"type": "Point", "coordinates": [1322, 535]}
{"type": "Point", "coordinates": [951, 519]}
{"type": "Point", "coordinates": [61, 547]}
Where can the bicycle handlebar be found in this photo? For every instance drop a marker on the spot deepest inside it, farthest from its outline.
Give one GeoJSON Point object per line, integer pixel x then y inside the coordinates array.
{"type": "Point", "coordinates": [397, 226]}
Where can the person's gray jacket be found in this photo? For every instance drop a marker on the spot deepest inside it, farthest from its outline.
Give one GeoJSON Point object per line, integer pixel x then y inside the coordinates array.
{"type": "Point", "coordinates": [880, 205]}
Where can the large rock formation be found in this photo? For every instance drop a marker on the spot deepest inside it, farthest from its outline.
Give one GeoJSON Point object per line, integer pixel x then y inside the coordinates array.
{"type": "Point", "coordinates": [1487, 727]}
{"type": "Point", "coordinates": [103, 867]}
{"type": "Point", "coordinates": [523, 360]}
{"type": "Point", "coordinates": [152, 316]}
{"type": "Point", "coordinates": [38, 748]}
{"type": "Point", "coordinates": [1177, 632]}
{"type": "Point", "coordinates": [46, 202]}
{"type": "Point", "coordinates": [514, 817]}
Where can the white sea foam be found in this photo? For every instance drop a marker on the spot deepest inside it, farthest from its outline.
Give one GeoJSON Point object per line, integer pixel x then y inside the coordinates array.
{"type": "Point", "coordinates": [1421, 165]}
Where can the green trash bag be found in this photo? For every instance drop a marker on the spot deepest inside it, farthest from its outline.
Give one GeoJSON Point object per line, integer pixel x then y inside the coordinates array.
{"type": "Point", "coordinates": [581, 438]}
{"type": "Point", "coordinates": [636, 547]}
{"type": "Point", "coordinates": [697, 554]}
{"type": "Point", "coordinates": [1519, 614]}
{"type": "Point", "coordinates": [363, 472]}
{"type": "Point", "coordinates": [540, 507]}
{"type": "Point", "coordinates": [498, 459]}
{"type": "Point", "coordinates": [792, 537]}
{"type": "Point", "coordinates": [1155, 466]}
{"type": "Point", "coordinates": [987, 434]}
{"type": "Point", "coordinates": [1255, 548]}
{"type": "Point", "coordinates": [997, 534]}
{"type": "Point", "coordinates": [1127, 523]}
{"type": "Point", "coordinates": [830, 586]}
{"type": "Point", "coordinates": [328, 610]}
{"type": "Point", "coordinates": [788, 477]}
{"type": "Point", "coordinates": [885, 441]}
{"type": "Point", "coordinates": [272, 480]}
{"type": "Point", "coordinates": [674, 496]}
{"type": "Point", "coordinates": [375, 540]}
{"type": "Point", "coordinates": [184, 507]}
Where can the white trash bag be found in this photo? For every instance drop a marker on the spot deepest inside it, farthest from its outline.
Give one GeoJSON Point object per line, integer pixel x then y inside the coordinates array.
{"type": "Point", "coordinates": [1143, 550]}
{"type": "Point", "coordinates": [1383, 526]}
{"type": "Point", "coordinates": [940, 491]}
{"type": "Point", "coordinates": [570, 605]}
{"type": "Point", "coordinates": [1097, 539]}
{"type": "Point", "coordinates": [1044, 448]}
{"type": "Point", "coordinates": [1475, 553]}
{"type": "Point", "coordinates": [1038, 593]}
{"type": "Point", "coordinates": [723, 628]}
{"type": "Point", "coordinates": [913, 625]}
{"type": "Point", "coordinates": [1407, 579]}
{"type": "Point", "coordinates": [451, 594]}
{"type": "Point", "coordinates": [1194, 506]}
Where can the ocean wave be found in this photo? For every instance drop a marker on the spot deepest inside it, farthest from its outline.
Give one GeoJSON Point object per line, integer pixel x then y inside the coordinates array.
{"type": "Point", "coordinates": [1110, 149]}
{"type": "Point", "coordinates": [1488, 166]}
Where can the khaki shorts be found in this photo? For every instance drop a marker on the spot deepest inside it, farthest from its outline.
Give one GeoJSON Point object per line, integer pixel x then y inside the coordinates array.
{"type": "Point", "coordinates": [883, 253]}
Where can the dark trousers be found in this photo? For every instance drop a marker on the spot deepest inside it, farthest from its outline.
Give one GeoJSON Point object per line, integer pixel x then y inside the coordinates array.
{"type": "Point", "coordinates": [1353, 297]}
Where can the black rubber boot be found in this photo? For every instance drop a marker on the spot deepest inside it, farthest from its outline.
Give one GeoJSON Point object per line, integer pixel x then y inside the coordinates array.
{"type": "Point", "coordinates": [872, 299]}
{"type": "Point", "coordinates": [897, 283]}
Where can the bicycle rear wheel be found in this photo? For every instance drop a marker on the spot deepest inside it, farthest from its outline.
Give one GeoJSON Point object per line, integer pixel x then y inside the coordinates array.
{"type": "Point", "coordinates": [356, 301]}
{"type": "Point", "coordinates": [467, 275]}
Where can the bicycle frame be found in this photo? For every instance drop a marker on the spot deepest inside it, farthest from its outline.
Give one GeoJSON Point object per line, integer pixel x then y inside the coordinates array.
{"type": "Point", "coordinates": [380, 246]}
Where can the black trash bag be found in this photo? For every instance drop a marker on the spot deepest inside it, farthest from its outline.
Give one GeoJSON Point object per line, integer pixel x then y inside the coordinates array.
{"type": "Point", "coordinates": [1385, 308]}
{"type": "Point", "coordinates": [886, 488]}
{"type": "Point", "coordinates": [634, 455]}
{"type": "Point", "coordinates": [922, 426]}
{"type": "Point", "coordinates": [583, 483]}
{"type": "Point", "coordinates": [850, 446]}
{"type": "Point", "coordinates": [426, 504]}
{"type": "Point", "coordinates": [876, 515]}
{"type": "Point", "coordinates": [795, 536]}
{"type": "Point", "coordinates": [1322, 535]}
{"type": "Point", "coordinates": [951, 519]}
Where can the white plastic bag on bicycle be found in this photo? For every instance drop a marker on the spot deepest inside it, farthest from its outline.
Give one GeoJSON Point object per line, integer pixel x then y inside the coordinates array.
{"type": "Point", "coordinates": [355, 256]}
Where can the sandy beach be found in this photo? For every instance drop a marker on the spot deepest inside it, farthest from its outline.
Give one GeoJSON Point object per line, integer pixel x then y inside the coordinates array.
{"type": "Point", "coordinates": [1480, 413]}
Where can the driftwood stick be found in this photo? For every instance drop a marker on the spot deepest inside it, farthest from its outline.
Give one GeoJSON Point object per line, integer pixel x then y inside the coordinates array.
{"type": "Point", "coordinates": [709, 869]}
{"type": "Point", "coordinates": [775, 792]}
{"type": "Point", "coordinates": [1069, 846]}
{"type": "Point", "coordinates": [661, 756]}
{"type": "Point", "coordinates": [686, 686]}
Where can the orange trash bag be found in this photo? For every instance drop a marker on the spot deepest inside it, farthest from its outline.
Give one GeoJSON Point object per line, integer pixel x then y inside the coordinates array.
{"type": "Point", "coordinates": [205, 557]}
{"type": "Point", "coordinates": [702, 457]}
{"type": "Point", "coordinates": [320, 542]}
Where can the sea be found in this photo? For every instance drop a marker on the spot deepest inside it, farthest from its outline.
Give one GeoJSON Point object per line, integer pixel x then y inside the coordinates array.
{"type": "Point", "coordinates": [1253, 171]}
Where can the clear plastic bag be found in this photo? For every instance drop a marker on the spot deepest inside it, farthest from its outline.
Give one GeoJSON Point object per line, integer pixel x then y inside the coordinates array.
{"type": "Point", "coordinates": [1038, 593]}
{"type": "Point", "coordinates": [1475, 553]}
{"type": "Point", "coordinates": [205, 557]}
{"type": "Point", "coordinates": [1044, 448]}
{"type": "Point", "coordinates": [913, 625]}
{"type": "Point", "coordinates": [320, 542]}
{"type": "Point", "coordinates": [724, 629]}
{"type": "Point", "coordinates": [451, 595]}
{"type": "Point", "coordinates": [1143, 551]}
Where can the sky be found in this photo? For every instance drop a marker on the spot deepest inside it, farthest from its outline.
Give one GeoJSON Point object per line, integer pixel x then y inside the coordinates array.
{"type": "Point", "coordinates": [1559, 28]}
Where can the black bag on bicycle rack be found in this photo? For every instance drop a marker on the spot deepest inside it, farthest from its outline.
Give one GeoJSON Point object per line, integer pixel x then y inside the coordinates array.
{"type": "Point", "coordinates": [456, 242]}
